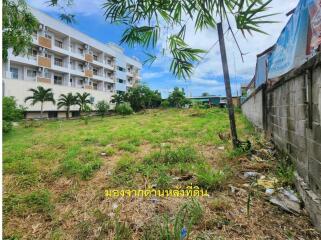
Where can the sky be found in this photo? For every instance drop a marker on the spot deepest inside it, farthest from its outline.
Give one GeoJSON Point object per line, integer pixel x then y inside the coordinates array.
{"type": "Point", "coordinates": [207, 76]}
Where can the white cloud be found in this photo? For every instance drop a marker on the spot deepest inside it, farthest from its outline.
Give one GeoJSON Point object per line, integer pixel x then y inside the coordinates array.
{"type": "Point", "coordinates": [252, 45]}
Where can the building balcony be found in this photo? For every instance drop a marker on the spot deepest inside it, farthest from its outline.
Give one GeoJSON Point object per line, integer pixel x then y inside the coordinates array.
{"type": "Point", "coordinates": [76, 54]}
{"type": "Point", "coordinates": [59, 66]}
{"type": "Point", "coordinates": [77, 71]}
{"type": "Point", "coordinates": [99, 77]}
{"type": "Point", "coordinates": [27, 59]}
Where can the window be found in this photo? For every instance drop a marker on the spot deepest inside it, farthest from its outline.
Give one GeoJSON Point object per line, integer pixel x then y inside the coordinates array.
{"type": "Point", "coordinates": [109, 86]}
{"type": "Point", "coordinates": [47, 55]}
{"type": "Point", "coordinates": [47, 73]}
{"type": "Point", "coordinates": [14, 72]}
{"type": "Point", "coordinates": [47, 36]}
{"type": "Point", "coordinates": [95, 86]}
{"type": "Point", "coordinates": [52, 114]}
{"type": "Point", "coordinates": [95, 71]}
{"type": "Point", "coordinates": [58, 62]}
{"type": "Point", "coordinates": [121, 80]}
{"type": "Point", "coordinates": [58, 43]}
{"type": "Point", "coordinates": [121, 69]}
{"type": "Point", "coordinates": [80, 50]}
{"type": "Point", "coordinates": [81, 67]}
{"type": "Point", "coordinates": [31, 73]}
{"type": "Point", "coordinates": [95, 57]}
{"type": "Point", "coordinates": [32, 52]}
{"type": "Point", "coordinates": [58, 80]}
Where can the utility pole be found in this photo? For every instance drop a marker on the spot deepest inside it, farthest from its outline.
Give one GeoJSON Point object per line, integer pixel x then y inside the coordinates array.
{"type": "Point", "coordinates": [227, 85]}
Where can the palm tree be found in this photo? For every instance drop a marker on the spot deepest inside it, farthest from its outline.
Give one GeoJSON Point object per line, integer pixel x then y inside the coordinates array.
{"type": "Point", "coordinates": [83, 100]}
{"type": "Point", "coordinates": [41, 95]}
{"type": "Point", "coordinates": [67, 101]}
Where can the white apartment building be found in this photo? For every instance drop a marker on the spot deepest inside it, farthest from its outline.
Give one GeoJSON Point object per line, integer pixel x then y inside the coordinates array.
{"type": "Point", "coordinates": [66, 60]}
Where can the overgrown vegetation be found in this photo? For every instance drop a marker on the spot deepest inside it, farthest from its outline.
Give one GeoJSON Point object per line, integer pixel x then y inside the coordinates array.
{"type": "Point", "coordinates": [10, 113]}
{"type": "Point", "coordinates": [56, 173]}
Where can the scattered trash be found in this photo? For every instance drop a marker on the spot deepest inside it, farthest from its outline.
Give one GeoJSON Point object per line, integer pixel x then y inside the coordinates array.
{"type": "Point", "coordinates": [221, 148]}
{"type": "Point", "coordinates": [267, 183]}
{"type": "Point", "coordinates": [103, 154]}
{"type": "Point", "coordinates": [256, 158]}
{"type": "Point", "coordinates": [236, 190]}
{"type": "Point", "coordinates": [184, 178]}
{"type": "Point", "coordinates": [269, 191]}
{"type": "Point", "coordinates": [154, 185]}
{"type": "Point", "coordinates": [251, 175]}
{"type": "Point", "coordinates": [287, 200]}
{"type": "Point", "coordinates": [154, 200]}
{"type": "Point", "coordinates": [183, 233]}
{"type": "Point", "coordinates": [114, 206]}
{"type": "Point", "coordinates": [224, 136]}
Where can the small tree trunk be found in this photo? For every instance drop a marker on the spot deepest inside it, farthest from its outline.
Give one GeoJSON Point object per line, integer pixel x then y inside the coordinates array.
{"type": "Point", "coordinates": [67, 113]}
{"type": "Point", "coordinates": [227, 85]}
{"type": "Point", "coordinates": [41, 110]}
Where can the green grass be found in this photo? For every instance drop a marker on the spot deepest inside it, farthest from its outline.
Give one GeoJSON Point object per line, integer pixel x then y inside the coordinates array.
{"type": "Point", "coordinates": [151, 148]}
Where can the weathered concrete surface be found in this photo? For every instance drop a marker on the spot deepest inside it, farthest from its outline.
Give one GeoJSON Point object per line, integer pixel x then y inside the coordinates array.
{"type": "Point", "coordinates": [292, 111]}
{"type": "Point", "coordinates": [253, 109]}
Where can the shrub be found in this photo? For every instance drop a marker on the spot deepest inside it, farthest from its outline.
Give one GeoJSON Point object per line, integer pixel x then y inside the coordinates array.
{"type": "Point", "coordinates": [165, 104]}
{"type": "Point", "coordinates": [210, 179]}
{"type": "Point", "coordinates": [177, 98]}
{"type": "Point", "coordinates": [183, 154]}
{"type": "Point", "coordinates": [6, 126]}
{"type": "Point", "coordinates": [124, 109]}
{"type": "Point", "coordinates": [102, 108]}
{"type": "Point", "coordinates": [10, 112]}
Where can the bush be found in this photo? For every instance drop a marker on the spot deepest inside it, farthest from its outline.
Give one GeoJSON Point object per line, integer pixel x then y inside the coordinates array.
{"type": "Point", "coordinates": [177, 98]}
{"type": "Point", "coordinates": [6, 126]}
{"type": "Point", "coordinates": [210, 179]}
{"type": "Point", "coordinates": [10, 112]}
{"type": "Point", "coordinates": [124, 109]}
{"type": "Point", "coordinates": [165, 104]}
{"type": "Point", "coordinates": [102, 108]}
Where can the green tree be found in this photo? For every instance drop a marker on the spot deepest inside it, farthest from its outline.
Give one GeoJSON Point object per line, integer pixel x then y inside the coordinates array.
{"type": "Point", "coordinates": [119, 97]}
{"type": "Point", "coordinates": [204, 94]}
{"type": "Point", "coordinates": [41, 95]}
{"type": "Point", "coordinates": [67, 101]}
{"type": "Point", "coordinates": [141, 97]}
{"type": "Point", "coordinates": [102, 108]}
{"type": "Point", "coordinates": [83, 100]}
{"type": "Point", "coordinates": [177, 98]}
{"type": "Point", "coordinates": [10, 113]}
{"type": "Point", "coordinates": [18, 25]}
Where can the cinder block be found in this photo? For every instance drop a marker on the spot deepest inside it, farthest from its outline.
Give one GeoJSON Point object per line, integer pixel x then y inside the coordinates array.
{"type": "Point", "coordinates": [315, 175]}
{"type": "Point", "coordinates": [314, 149]}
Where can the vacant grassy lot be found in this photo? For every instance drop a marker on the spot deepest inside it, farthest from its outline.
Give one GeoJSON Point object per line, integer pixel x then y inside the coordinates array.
{"type": "Point", "coordinates": [56, 172]}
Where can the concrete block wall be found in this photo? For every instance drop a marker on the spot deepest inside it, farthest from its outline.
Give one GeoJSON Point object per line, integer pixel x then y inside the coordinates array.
{"type": "Point", "coordinates": [290, 114]}
{"type": "Point", "coordinates": [253, 108]}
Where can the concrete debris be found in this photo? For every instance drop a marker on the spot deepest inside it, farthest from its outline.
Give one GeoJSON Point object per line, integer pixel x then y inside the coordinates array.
{"type": "Point", "coordinates": [287, 200]}
{"type": "Point", "coordinates": [247, 175]}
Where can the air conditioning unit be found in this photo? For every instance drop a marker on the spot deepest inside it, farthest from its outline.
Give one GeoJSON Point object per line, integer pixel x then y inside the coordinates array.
{"type": "Point", "coordinates": [40, 69]}
{"type": "Point", "coordinates": [40, 49]}
{"type": "Point", "coordinates": [41, 26]}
